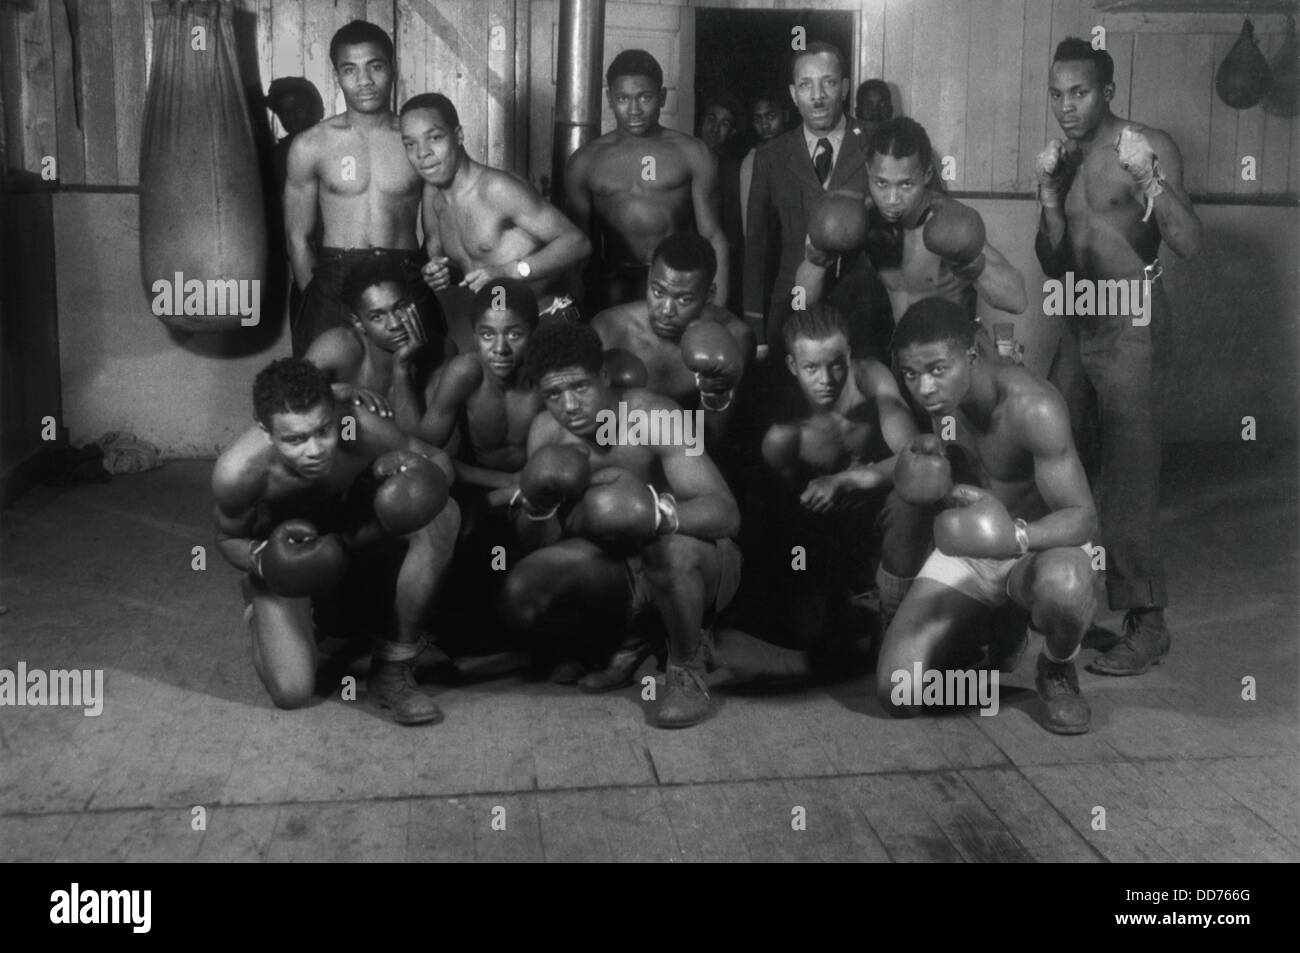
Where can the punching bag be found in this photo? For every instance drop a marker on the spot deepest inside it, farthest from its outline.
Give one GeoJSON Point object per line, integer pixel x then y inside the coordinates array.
{"type": "Point", "coordinates": [1242, 79]}
{"type": "Point", "coordinates": [1281, 98]}
{"type": "Point", "coordinates": [202, 230]}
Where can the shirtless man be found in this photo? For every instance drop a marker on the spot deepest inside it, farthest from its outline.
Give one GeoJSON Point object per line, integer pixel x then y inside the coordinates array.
{"type": "Point", "coordinates": [349, 173]}
{"type": "Point", "coordinates": [485, 222]}
{"type": "Point", "coordinates": [1111, 193]}
{"type": "Point", "coordinates": [902, 200]}
{"type": "Point", "coordinates": [380, 360]}
{"type": "Point", "coordinates": [1016, 531]}
{"type": "Point", "coordinates": [633, 187]}
{"type": "Point", "coordinates": [311, 485]}
{"type": "Point", "coordinates": [678, 297]}
{"type": "Point", "coordinates": [836, 462]}
{"type": "Point", "coordinates": [652, 531]}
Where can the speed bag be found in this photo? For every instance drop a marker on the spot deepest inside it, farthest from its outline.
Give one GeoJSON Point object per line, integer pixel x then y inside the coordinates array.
{"type": "Point", "coordinates": [202, 223]}
{"type": "Point", "coordinates": [1243, 75]}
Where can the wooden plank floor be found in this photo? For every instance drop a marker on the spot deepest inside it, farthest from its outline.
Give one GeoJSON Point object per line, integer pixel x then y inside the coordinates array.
{"type": "Point", "coordinates": [99, 576]}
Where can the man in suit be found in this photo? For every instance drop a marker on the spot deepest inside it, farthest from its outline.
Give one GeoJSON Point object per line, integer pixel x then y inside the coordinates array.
{"type": "Point", "coordinates": [826, 151]}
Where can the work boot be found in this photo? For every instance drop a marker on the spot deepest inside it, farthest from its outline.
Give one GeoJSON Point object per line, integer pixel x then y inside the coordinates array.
{"type": "Point", "coordinates": [1058, 686]}
{"type": "Point", "coordinates": [620, 669]}
{"type": "Point", "coordinates": [392, 685]}
{"type": "Point", "coordinates": [1145, 643]}
{"type": "Point", "coordinates": [685, 700]}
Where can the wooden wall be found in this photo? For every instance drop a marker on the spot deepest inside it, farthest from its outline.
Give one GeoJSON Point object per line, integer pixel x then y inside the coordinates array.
{"type": "Point", "coordinates": [974, 71]}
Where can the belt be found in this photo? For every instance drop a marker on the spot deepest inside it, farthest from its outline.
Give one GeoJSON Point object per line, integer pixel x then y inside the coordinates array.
{"type": "Point", "coordinates": [377, 252]}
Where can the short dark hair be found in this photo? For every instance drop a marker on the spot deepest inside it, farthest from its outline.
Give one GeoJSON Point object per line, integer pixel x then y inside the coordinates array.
{"type": "Point", "coordinates": [687, 251]}
{"type": "Point", "coordinates": [780, 98]}
{"type": "Point", "coordinates": [1074, 50]}
{"type": "Point", "coordinates": [899, 138]}
{"type": "Point", "coordinates": [876, 85]}
{"type": "Point", "coordinates": [817, 322]}
{"type": "Point", "coordinates": [518, 299]}
{"type": "Point", "coordinates": [816, 48]}
{"type": "Point", "coordinates": [635, 63]}
{"type": "Point", "coordinates": [288, 87]}
{"type": "Point", "coordinates": [363, 276]}
{"type": "Point", "coordinates": [727, 100]}
{"type": "Point", "coordinates": [559, 344]}
{"type": "Point", "coordinates": [931, 321]}
{"type": "Point", "coordinates": [360, 31]}
{"type": "Point", "coordinates": [290, 385]}
{"type": "Point", "coordinates": [435, 101]}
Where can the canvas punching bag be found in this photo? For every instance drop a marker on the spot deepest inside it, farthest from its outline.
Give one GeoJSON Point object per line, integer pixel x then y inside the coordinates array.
{"type": "Point", "coordinates": [201, 213]}
{"type": "Point", "coordinates": [1243, 75]}
{"type": "Point", "coordinates": [1281, 98]}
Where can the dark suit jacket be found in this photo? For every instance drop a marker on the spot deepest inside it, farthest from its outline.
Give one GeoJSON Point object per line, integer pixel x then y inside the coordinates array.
{"type": "Point", "coordinates": [783, 193]}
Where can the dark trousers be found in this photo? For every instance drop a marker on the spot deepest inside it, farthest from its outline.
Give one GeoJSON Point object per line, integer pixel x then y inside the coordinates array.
{"type": "Point", "coordinates": [1110, 373]}
{"type": "Point", "coordinates": [322, 305]}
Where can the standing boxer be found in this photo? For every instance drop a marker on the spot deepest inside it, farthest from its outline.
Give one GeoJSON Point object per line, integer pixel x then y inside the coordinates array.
{"type": "Point", "coordinates": [486, 222]}
{"type": "Point", "coordinates": [1019, 535]}
{"type": "Point", "coordinates": [921, 242]}
{"type": "Point", "coordinates": [310, 486]}
{"type": "Point", "coordinates": [349, 174]}
{"type": "Point", "coordinates": [1110, 195]}
{"type": "Point", "coordinates": [651, 532]}
{"type": "Point", "coordinates": [633, 187]}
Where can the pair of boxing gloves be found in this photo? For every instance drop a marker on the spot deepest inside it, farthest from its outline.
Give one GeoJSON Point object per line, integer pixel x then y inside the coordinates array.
{"type": "Point", "coordinates": [952, 231]}
{"type": "Point", "coordinates": [613, 505]}
{"type": "Point", "coordinates": [297, 560]}
{"type": "Point", "coordinates": [975, 524]}
{"type": "Point", "coordinates": [708, 350]}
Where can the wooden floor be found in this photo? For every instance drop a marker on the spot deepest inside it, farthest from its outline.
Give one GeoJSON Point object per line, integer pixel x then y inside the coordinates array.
{"type": "Point", "coordinates": [99, 576]}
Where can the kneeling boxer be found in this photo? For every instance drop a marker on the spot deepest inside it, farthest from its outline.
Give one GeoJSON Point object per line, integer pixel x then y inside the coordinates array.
{"type": "Point", "coordinates": [623, 524]}
{"type": "Point", "coordinates": [1020, 535]}
{"type": "Point", "coordinates": [836, 462]}
{"type": "Point", "coordinates": [309, 488]}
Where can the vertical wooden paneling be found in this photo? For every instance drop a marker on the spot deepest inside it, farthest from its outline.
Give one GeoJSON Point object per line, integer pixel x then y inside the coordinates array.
{"type": "Point", "coordinates": [39, 132]}
{"type": "Point", "coordinates": [952, 53]}
{"type": "Point", "coordinates": [1169, 93]}
{"type": "Point", "coordinates": [287, 43]}
{"type": "Point", "coordinates": [1223, 161]}
{"type": "Point", "coordinates": [1277, 157]}
{"type": "Point", "coordinates": [500, 83]}
{"type": "Point", "coordinates": [897, 69]}
{"type": "Point", "coordinates": [128, 86]}
{"type": "Point", "coordinates": [1008, 55]}
{"type": "Point", "coordinates": [543, 16]}
{"type": "Point", "coordinates": [472, 76]}
{"type": "Point", "coordinates": [1120, 48]}
{"type": "Point", "coordinates": [1034, 129]}
{"type": "Point", "coordinates": [523, 101]}
{"type": "Point", "coordinates": [871, 40]}
{"type": "Point", "coordinates": [72, 141]}
{"type": "Point", "coordinates": [98, 92]}
{"type": "Point", "coordinates": [931, 21]}
{"type": "Point", "coordinates": [975, 161]}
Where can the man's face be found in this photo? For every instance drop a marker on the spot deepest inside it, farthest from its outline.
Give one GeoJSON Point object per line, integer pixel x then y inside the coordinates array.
{"type": "Point", "coordinates": [768, 119]}
{"type": "Point", "coordinates": [1079, 102]}
{"type": "Point", "coordinates": [379, 315]}
{"type": "Point", "coordinates": [574, 396]}
{"type": "Point", "coordinates": [818, 91]}
{"type": "Point", "coordinates": [874, 105]}
{"type": "Point", "coordinates": [432, 146]}
{"type": "Point", "coordinates": [297, 111]}
{"type": "Point", "coordinates": [717, 126]}
{"type": "Point", "coordinates": [937, 375]}
{"type": "Point", "coordinates": [636, 102]}
{"type": "Point", "coordinates": [365, 76]}
{"type": "Point", "coordinates": [675, 299]}
{"type": "Point", "coordinates": [821, 367]}
{"type": "Point", "coordinates": [500, 336]}
{"type": "Point", "coordinates": [897, 185]}
{"type": "Point", "coordinates": [306, 442]}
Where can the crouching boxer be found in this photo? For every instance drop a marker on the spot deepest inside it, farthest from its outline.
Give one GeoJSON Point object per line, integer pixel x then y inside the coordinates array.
{"type": "Point", "coordinates": [624, 522]}
{"type": "Point", "coordinates": [316, 486]}
{"type": "Point", "coordinates": [836, 464]}
{"type": "Point", "coordinates": [1020, 535]}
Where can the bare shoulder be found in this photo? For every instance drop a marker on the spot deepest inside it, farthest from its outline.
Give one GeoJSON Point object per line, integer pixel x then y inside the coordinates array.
{"type": "Point", "coordinates": [464, 372]}
{"type": "Point", "coordinates": [242, 473]}
{"type": "Point", "coordinates": [335, 349]}
{"type": "Point", "coordinates": [781, 443]}
{"type": "Point", "coordinates": [1034, 408]}
{"type": "Point", "coordinates": [615, 320]}
{"type": "Point", "coordinates": [873, 377]}
{"type": "Point", "coordinates": [500, 185]}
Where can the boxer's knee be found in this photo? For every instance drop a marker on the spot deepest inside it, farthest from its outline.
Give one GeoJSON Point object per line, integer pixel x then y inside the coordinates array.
{"type": "Point", "coordinates": [289, 690]}
{"type": "Point", "coordinates": [672, 562]}
{"type": "Point", "coordinates": [907, 535]}
{"type": "Point", "coordinates": [1062, 584]}
{"type": "Point", "coordinates": [525, 597]}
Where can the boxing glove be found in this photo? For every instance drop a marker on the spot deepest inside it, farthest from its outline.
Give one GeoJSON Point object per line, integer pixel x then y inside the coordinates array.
{"type": "Point", "coordinates": [709, 350]}
{"type": "Point", "coordinates": [296, 560]}
{"type": "Point", "coordinates": [1137, 157]}
{"type": "Point", "coordinates": [922, 473]}
{"type": "Point", "coordinates": [956, 234]}
{"type": "Point", "coordinates": [838, 222]}
{"type": "Point", "coordinates": [625, 369]}
{"type": "Point", "coordinates": [412, 491]}
{"type": "Point", "coordinates": [620, 507]}
{"type": "Point", "coordinates": [1050, 167]}
{"type": "Point", "coordinates": [978, 525]}
{"type": "Point", "coordinates": [552, 476]}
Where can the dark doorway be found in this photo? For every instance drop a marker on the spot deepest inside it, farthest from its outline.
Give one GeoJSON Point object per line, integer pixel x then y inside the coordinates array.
{"type": "Point", "coordinates": [747, 52]}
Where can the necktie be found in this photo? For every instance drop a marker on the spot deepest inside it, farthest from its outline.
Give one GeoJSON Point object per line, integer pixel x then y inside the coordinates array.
{"type": "Point", "coordinates": [823, 157]}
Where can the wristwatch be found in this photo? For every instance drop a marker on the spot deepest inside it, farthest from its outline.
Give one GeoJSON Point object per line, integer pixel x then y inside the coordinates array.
{"type": "Point", "coordinates": [523, 269]}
